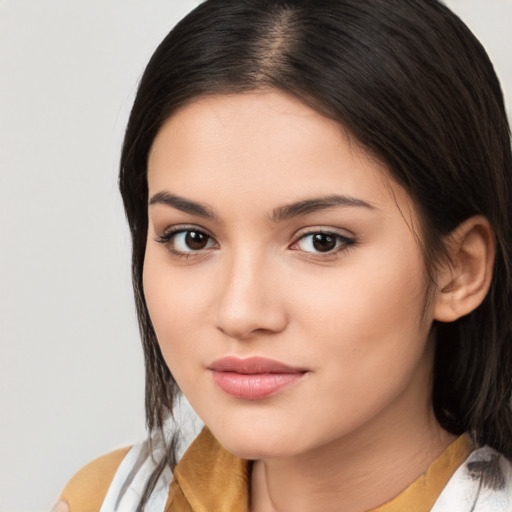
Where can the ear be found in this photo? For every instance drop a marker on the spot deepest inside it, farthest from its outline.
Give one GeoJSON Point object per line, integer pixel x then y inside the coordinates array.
{"type": "Point", "coordinates": [464, 280]}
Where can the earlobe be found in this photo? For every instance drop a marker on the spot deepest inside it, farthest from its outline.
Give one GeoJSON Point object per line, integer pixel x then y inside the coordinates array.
{"type": "Point", "coordinates": [464, 281]}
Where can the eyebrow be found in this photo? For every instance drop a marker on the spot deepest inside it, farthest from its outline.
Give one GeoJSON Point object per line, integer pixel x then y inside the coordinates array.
{"type": "Point", "coordinates": [279, 214]}
{"type": "Point", "coordinates": [185, 205]}
{"type": "Point", "coordinates": [313, 205]}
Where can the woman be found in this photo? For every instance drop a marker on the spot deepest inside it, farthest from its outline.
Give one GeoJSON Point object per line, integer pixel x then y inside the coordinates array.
{"type": "Point", "coordinates": [319, 198]}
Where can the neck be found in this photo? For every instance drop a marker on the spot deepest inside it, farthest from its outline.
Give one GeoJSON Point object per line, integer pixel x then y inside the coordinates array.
{"type": "Point", "coordinates": [351, 470]}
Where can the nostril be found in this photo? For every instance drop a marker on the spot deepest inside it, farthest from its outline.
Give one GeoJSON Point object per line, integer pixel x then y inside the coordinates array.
{"type": "Point", "coordinates": [244, 323]}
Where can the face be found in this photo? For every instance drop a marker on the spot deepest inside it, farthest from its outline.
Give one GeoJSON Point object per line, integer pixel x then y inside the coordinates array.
{"type": "Point", "coordinates": [283, 277]}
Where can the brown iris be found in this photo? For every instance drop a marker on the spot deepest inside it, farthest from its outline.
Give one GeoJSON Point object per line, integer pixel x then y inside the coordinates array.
{"type": "Point", "coordinates": [196, 240]}
{"type": "Point", "coordinates": [324, 242]}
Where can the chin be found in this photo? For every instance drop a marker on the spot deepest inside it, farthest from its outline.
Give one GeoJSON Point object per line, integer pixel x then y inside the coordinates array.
{"type": "Point", "coordinates": [252, 445]}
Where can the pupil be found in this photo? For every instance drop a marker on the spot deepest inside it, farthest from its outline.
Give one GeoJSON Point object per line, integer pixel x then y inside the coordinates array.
{"type": "Point", "coordinates": [196, 240]}
{"type": "Point", "coordinates": [323, 242]}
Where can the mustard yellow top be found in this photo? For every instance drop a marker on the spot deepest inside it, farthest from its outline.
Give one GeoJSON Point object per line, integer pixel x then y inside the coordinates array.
{"type": "Point", "coordinates": [86, 491]}
{"type": "Point", "coordinates": [209, 478]}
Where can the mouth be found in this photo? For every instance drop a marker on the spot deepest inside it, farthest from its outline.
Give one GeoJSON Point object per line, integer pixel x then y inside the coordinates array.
{"type": "Point", "coordinates": [254, 378]}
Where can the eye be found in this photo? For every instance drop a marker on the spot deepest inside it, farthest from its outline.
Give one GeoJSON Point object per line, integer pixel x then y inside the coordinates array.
{"type": "Point", "coordinates": [322, 242]}
{"type": "Point", "coordinates": [183, 241]}
{"type": "Point", "coordinates": [191, 241]}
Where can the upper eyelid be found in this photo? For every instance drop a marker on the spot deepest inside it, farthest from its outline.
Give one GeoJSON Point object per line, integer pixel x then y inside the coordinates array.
{"type": "Point", "coordinates": [300, 232]}
{"type": "Point", "coordinates": [179, 228]}
{"type": "Point", "coordinates": [325, 230]}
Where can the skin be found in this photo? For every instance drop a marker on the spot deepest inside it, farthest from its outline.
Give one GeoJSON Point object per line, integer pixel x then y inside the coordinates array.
{"type": "Point", "coordinates": [356, 318]}
{"type": "Point", "coordinates": [60, 506]}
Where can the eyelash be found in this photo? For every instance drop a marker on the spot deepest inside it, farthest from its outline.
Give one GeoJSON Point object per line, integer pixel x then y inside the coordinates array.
{"type": "Point", "coordinates": [342, 242]}
{"type": "Point", "coordinates": [167, 237]}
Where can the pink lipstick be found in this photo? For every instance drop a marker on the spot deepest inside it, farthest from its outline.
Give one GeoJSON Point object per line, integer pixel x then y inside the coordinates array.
{"type": "Point", "coordinates": [253, 378]}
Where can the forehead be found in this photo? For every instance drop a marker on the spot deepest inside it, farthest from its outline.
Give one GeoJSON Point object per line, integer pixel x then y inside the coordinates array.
{"type": "Point", "coordinates": [266, 144]}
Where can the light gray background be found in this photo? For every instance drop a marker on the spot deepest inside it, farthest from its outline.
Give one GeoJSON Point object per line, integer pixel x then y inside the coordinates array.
{"type": "Point", "coordinates": [71, 373]}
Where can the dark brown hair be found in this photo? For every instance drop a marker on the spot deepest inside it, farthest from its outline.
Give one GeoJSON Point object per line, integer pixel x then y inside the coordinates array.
{"type": "Point", "coordinates": [414, 86]}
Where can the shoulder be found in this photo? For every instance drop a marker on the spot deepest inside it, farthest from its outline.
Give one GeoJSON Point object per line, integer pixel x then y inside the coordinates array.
{"type": "Point", "coordinates": [483, 483]}
{"type": "Point", "coordinates": [86, 490]}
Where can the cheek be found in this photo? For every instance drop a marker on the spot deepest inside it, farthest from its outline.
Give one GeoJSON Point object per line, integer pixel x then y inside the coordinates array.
{"type": "Point", "coordinates": [367, 337]}
{"type": "Point", "coordinates": [177, 302]}
{"type": "Point", "coordinates": [371, 290]}
{"type": "Point", "coordinates": [368, 316]}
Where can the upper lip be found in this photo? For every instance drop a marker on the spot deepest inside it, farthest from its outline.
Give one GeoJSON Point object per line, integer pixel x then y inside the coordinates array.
{"type": "Point", "coordinates": [251, 365]}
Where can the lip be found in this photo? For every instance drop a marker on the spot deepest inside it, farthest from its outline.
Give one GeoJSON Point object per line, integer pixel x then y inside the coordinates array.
{"type": "Point", "coordinates": [253, 378]}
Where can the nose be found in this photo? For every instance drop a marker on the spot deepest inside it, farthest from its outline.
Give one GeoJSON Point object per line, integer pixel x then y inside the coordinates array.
{"type": "Point", "coordinates": [251, 301]}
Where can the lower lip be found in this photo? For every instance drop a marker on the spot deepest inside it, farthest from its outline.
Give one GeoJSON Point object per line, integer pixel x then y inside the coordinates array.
{"type": "Point", "coordinates": [255, 386]}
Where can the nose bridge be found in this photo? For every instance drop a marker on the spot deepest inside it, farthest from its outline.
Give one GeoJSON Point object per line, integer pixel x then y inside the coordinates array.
{"type": "Point", "coordinates": [249, 298]}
